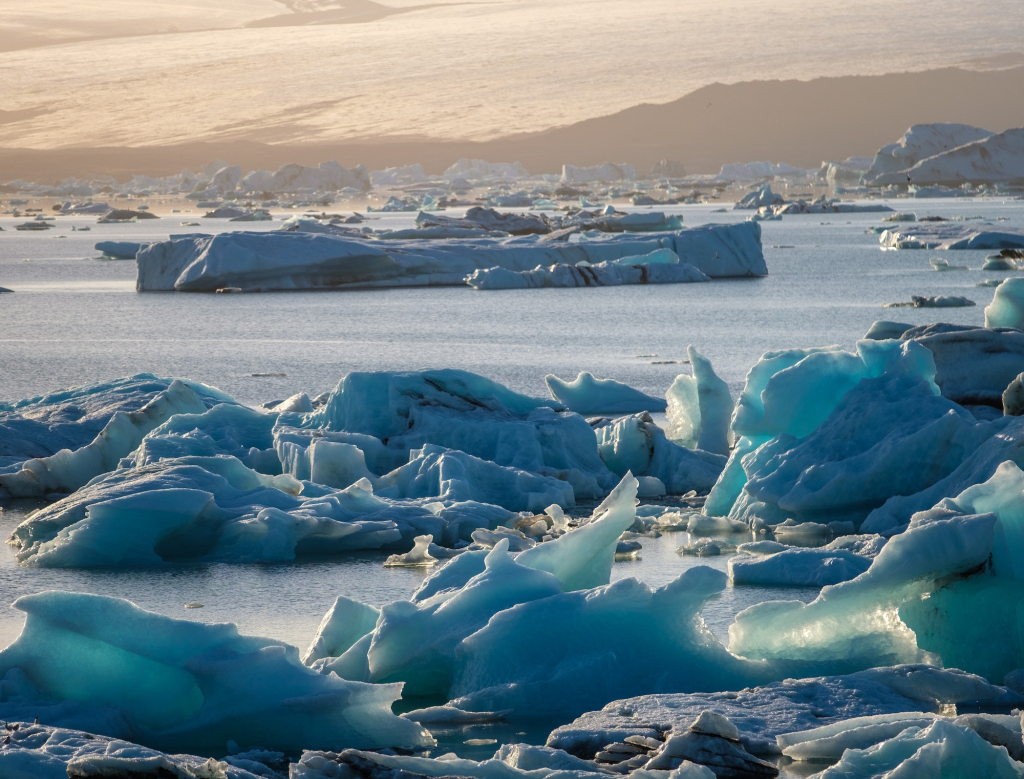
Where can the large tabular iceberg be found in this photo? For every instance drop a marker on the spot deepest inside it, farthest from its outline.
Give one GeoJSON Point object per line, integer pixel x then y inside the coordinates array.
{"type": "Point", "coordinates": [105, 665]}
{"type": "Point", "coordinates": [286, 260]}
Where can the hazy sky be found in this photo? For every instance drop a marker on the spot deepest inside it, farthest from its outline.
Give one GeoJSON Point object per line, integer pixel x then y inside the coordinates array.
{"type": "Point", "coordinates": [189, 70]}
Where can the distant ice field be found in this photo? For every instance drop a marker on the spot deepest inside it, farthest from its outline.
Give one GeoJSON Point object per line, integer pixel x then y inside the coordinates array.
{"type": "Point", "coordinates": [75, 320]}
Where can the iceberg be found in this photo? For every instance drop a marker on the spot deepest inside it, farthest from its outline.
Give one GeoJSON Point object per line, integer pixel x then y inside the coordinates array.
{"type": "Point", "coordinates": [463, 411]}
{"type": "Point", "coordinates": [994, 159]}
{"type": "Point", "coordinates": [481, 170]}
{"type": "Point", "coordinates": [119, 250]}
{"type": "Point", "coordinates": [39, 427]}
{"type": "Point", "coordinates": [299, 260]}
{"type": "Point", "coordinates": [418, 642]}
{"type": "Point", "coordinates": [763, 713]}
{"type": "Point", "coordinates": [946, 236]}
{"type": "Point", "coordinates": [635, 444]}
{"type": "Point", "coordinates": [175, 684]}
{"type": "Point", "coordinates": [889, 436]}
{"type": "Point", "coordinates": [214, 508]}
{"type": "Point", "coordinates": [700, 408]}
{"type": "Point", "coordinates": [798, 568]}
{"type": "Point", "coordinates": [590, 397]}
{"type": "Point", "coordinates": [41, 752]}
{"type": "Point", "coordinates": [856, 623]}
{"type": "Point", "coordinates": [1007, 306]}
{"type": "Point", "coordinates": [919, 143]}
{"type": "Point", "coordinates": [938, 750]}
{"type": "Point", "coordinates": [607, 172]}
{"type": "Point", "coordinates": [973, 365]}
{"type": "Point", "coordinates": [293, 178]}
{"type": "Point", "coordinates": [66, 470]}
{"type": "Point", "coordinates": [599, 645]}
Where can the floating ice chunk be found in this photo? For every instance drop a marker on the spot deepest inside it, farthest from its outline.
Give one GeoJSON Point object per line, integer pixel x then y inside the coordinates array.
{"type": "Point", "coordinates": [434, 471]}
{"type": "Point", "coordinates": [514, 540]}
{"type": "Point", "coordinates": [765, 712]}
{"type": "Point", "coordinates": [940, 750]}
{"type": "Point", "coordinates": [941, 301]}
{"type": "Point", "coordinates": [418, 556]}
{"type": "Point", "coordinates": [830, 741]}
{"type": "Point", "coordinates": [941, 264]}
{"type": "Point", "coordinates": [119, 250]}
{"type": "Point", "coordinates": [187, 685]}
{"type": "Point", "coordinates": [71, 418]}
{"type": "Point", "coordinates": [318, 765]}
{"type": "Point", "coordinates": [651, 487]}
{"type": "Point", "coordinates": [947, 236]}
{"type": "Point", "coordinates": [712, 741]}
{"type": "Point", "coordinates": [989, 159]}
{"type": "Point", "coordinates": [584, 557]}
{"type": "Point", "coordinates": [918, 143]}
{"type": "Point", "coordinates": [856, 623]}
{"type": "Point", "coordinates": [1007, 307]}
{"type": "Point", "coordinates": [592, 653]}
{"type": "Point", "coordinates": [449, 715]}
{"type": "Point", "coordinates": [883, 330]}
{"type": "Point", "coordinates": [477, 170]}
{"type": "Point", "coordinates": [66, 471]}
{"type": "Point", "coordinates": [869, 449]}
{"type": "Point", "coordinates": [759, 198]}
{"type": "Point", "coordinates": [635, 444]}
{"type": "Point", "coordinates": [607, 172]}
{"type": "Point", "coordinates": [40, 752]}
{"type": "Point", "coordinates": [460, 410]}
{"type": "Point", "coordinates": [416, 643]}
{"type": "Point", "coordinates": [215, 508]}
{"type": "Point", "coordinates": [700, 408]}
{"type": "Point", "coordinates": [795, 390]}
{"type": "Point", "coordinates": [798, 568]}
{"type": "Point", "coordinates": [345, 623]}
{"type": "Point", "coordinates": [590, 397]}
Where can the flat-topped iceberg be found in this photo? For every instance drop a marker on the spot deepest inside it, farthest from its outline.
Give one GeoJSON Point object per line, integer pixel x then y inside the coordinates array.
{"type": "Point", "coordinates": [296, 260]}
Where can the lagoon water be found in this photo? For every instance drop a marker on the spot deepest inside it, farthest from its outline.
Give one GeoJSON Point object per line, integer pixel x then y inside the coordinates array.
{"type": "Point", "coordinates": [74, 319]}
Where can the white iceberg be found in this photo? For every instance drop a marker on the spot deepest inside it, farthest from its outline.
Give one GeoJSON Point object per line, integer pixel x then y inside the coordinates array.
{"type": "Point", "coordinates": [995, 159]}
{"type": "Point", "coordinates": [590, 396]}
{"type": "Point", "coordinates": [798, 568]}
{"type": "Point", "coordinates": [918, 143]}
